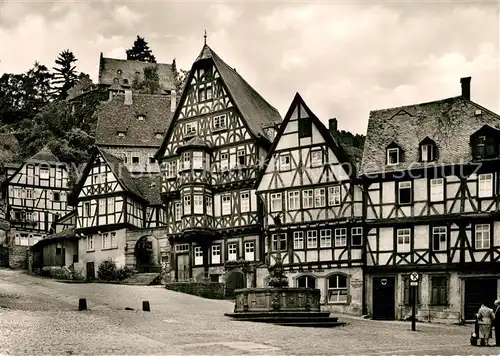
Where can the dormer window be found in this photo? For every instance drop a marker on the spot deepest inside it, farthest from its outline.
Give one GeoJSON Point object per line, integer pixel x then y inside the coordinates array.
{"type": "Point", "coordinates": [159, 135]}
{"type": "Point", "coordinates": [393, 152]}
{"type": "Point", "coordinates": [141, 117]}
{"type": "Point", "coordinates": [119, 72]}
{"type": "Point", "coordinates": [428, 150]}
{"type": "Point", "coordinates": [485, 143]}
{"type": "Point", "coordinates": [121, 134]}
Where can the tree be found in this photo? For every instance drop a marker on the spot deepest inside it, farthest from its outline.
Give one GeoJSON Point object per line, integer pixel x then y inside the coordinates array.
{"type": "Point", "coordinates": [140, 51]}
{"type": "Point", "coordinates": [65, 75]}
{"type": "Point", "coordinates": [151, 82]}
{"type": "Point", "coordinates": [180, 79]}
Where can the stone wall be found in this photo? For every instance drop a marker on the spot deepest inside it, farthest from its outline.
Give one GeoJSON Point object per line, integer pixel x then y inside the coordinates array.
{"type": "Point", "coordinates": [205, 290]}
{"type": "Point", "coordinates": [18, 257]}
{"type": "Point", "coordinates": [4, 256]}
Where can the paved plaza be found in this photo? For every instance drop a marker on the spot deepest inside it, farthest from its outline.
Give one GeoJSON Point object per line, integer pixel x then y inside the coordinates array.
{"type": "Point", "coordinates": [40, 317]}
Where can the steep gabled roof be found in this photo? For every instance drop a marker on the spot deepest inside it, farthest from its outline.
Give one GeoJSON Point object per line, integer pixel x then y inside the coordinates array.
{"type": "Point", "coordinates": [449, 123]}
{"type": "Point", "coordinates": [116, 116]}
{"type": "Point", "coordinates": [146, 188]}
{"type": "Point", "coordinates": [256, 112]}
{"type": "Point", "coordinates": [109, 67]}
{"type": "Point", "coordinates": [333, 142]}
{"type": "Point", "coordinates": [45, 155]}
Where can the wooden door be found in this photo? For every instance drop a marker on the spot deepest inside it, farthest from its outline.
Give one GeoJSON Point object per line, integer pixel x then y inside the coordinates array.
{"type": "Point", "coordinates": [383, 298]}
{"type": "Point", "coordinates": [478, 291]}
{"type": "Point", "coordinates": [182, 267]}
{"type": "Point", "coordinates": [235, 280]}
{"type": "Point", "coordinates": [90, 271]}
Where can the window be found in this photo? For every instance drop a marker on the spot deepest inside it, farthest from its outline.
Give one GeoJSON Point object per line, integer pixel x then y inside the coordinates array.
{"type": "Point", "coordinates": [439, 290]}
{"type": "Point", "coordinates": [404, 193]}
{"type": "Point", "coordinates": [341, 237]}
{"type": "Point", "coordinates": [403, 240]}
{"type": "Point", "coordinates": [312, 239]}
{"type": "Point", "coordinates": [215, 254]}
{"type": "Point", "coordinates": [102, 206]}
{"type": "Point", "coordinates": [178, 211]}
{"type": "Point", "coordinates": [305, 128]}
{"type": "Point", "coordinates": [210, 208]}
{"type": "Point", "coordinates": [334, 195]}
{"type": "Point", "coordinates": [182, 248]}
{"type": "Point", "coordinates": [186, 160]}
{"type": "Point", "coordinates": [44, 173]}
{"type": "Point", "coordinates": [105, 240]}
{"type": "Point", "coordinates": [317, 158]}
{"type": "Point", "coordinates": [198, 255]}
{"type": "Point", "coordinates": [325, 238]}
{"type": "Point", "coordinates": [226, 205]}
{"type": "Point", "coordinates": [392, 156]}
{"type": "Point", "coordinates": [198, 203]}
{"type": "Point", "coordinates": [159, 135]}
{"type": "Point", "coordinates": [294, 200]}
{"type": "Point", "coordinates": [219, 122]}
{"type": "Point", "coordinates": [319, 197]}
{"type": "Point", "coordinates": [245, 202]}
{"type": "Point", "coordinates": [278, 242]}
{"type": "Point", "coordinates": [284, 162]}
{"type": "Point", "coordinates": [152, 160]}
{"type": "Point", "coordinates": [241, 157]}
{"type": "Point", "coordinates": [90, 243]}
{"type": "Point", "coordinates": [485, 188]}
{"type": "Point", "coordinates": [232, 252]}
{"type": "Point", "coordinates": [141, 117]}
{"type": "Point", "coordinates": [224, 161]}
{"type": "Point", "coordinates": [337, 289]}
{"type": "Point", "coordinates": [120, 134]}
{"type": "Point", "coordinates": [306, 282]}
{"type": "Point", "coordinates": [56, 196]}
{"type": "Point", "coordinates": [356, 236]}
{"type": "Point", "coordinates": [407, 295]}
{"type": "Point", "coordinates": [190, 129]}
{"type": "Point", "coordinates": [276, 202]}
{"type": "Point", "coordinates": [119, 72]}
{"type": "Point", "coordinates": [307, 199]}
{"type": "Point", "coordinates": [187, 205]}
{"type": "Point", "coordinates": [86, 209]}
{"type": "Point", "coordinates": [113, 239]}
{"type": "Point", "coordinates": [437, 189]}
{"type": "Point", "coordinates": [249, 251]}
{"type": "Point", "coordinates": [29, 194]}
{"type": "Point", "coordinates": [135, 160]}
{"type": "Point", "coordinates": [171, 169]}
{"type": "Point", "coordinates": [482, 236]}
{"type": "Point", "coordinates": [298, 240]}
{"type": "Point", "coordinates": [439, 238]}
{"type": "Point", "coordinates": [427, 152]}
{"type": "Point", "coordinates": [209, 92]}
{"type": "Point", "coordinates": [197, 160]}
{"type": "Point", "coordinates": [202, 95]}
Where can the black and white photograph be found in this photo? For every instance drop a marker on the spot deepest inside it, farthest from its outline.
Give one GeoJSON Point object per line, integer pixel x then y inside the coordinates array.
{"type": "Point", "coordinates": [249, 177]}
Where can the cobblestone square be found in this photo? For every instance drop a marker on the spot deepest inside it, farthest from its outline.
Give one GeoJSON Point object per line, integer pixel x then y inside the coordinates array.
{"type": "Point", "coordinates": [40, 317]}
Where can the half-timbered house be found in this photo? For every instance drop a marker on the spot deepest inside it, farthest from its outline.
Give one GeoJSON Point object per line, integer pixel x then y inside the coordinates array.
{"type": "Point", "coordinates": [36, 196]}
{"type": "Point", "coordinates": [431, 178]}
{"type": "Point", "coordinates": [220, 131]}
{"type": "Point", "coordinates": [132, 127]}
{"type": "Point", "coordinates": [118, 217]}
{"type": "Point", "coordinates": [313, 209]}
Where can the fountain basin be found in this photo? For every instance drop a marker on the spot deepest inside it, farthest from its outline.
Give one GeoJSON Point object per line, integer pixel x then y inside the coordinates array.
{"type": "Point", "coordinates": [282, 306]}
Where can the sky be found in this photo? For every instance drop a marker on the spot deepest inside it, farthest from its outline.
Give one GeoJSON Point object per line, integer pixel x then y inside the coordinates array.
{"type": "Point", "coordinates": [345, 58]}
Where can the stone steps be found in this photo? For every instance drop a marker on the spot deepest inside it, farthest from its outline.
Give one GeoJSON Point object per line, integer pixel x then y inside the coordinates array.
{"type": "Point", "coordinates": [141, 279]}
{"type": "Point", "coordinates": [300, 319]}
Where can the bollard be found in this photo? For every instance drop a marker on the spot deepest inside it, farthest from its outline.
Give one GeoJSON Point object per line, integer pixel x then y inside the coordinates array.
{"type": "Point", "coordinates": [145, 306]}
{"type": "Point", "coordinates": [82, 304]}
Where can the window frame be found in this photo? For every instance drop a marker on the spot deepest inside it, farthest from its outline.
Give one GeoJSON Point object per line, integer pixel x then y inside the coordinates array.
{"type": "Point", "coordinates": [483, 240]}
{"type": "Point", "coordinates": [388, 156]}
{"type": "Point", "coordinates": [335, 195]}
{"type": "Point", "coordinates": [219, 122]}
{"type": "Point", "coordinates": [226, 208]}
{"type": "Point", "coordinates": [215, 250]}
{"type": "Point", "coordinates": [357, 234]}
{"type": "Point", "coordinates": [338, 289]}
{"type": "Point", "coordinates": [399, 190]}
{"type": "Point", "coordinates": [316, 164]}
{"type": "Point", "coordinates": [438, 235]}
{"type": "Point", "coordinates": [284, 167]}
{"type": "Point", "coordinates": [245, 202]}
{"type": "Point", "coordinates": [340, 235]}
{"type": "Point", "coordinates": [491, 190]}
{"type": "Point", "coordinates": [325, 238]}
{"type": "Point", "coordinates": [279, 242]}
{"type": "Point", "coordinates": [432, 299]}
{"type": "Point", "coordinates": [312, 239]}
{"type": "Point", "coordinates": [298, 240]}
{"type": "Point", "coordinates": [436, 195]}
{"type": "Point", "coordinates": [321, 194]}
{"type": "Point", "coordinates": [276, 202]}
{"type": "Point", "coordinates": [401, 240]}
{"type": "Point", "coordinates": [311, 198]}
{"type": "Point", "coordinates": [247, 245]}
{"type": "Point", "coordinates": [294, 196]}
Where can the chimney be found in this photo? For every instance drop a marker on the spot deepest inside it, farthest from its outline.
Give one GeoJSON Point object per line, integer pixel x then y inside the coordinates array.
{"type": "Point", "coordinates": [128, 97]}
{"type": "Point", "coordinates": [173, 99]}
{"type": "Point", "coordinates": [465, 87]}
{"type": "Point", "coordinates": [332, 125]}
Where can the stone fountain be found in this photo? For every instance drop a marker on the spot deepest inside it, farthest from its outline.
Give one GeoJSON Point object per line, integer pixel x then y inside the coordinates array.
{"type": "Point", "coordinates": [279, 304]}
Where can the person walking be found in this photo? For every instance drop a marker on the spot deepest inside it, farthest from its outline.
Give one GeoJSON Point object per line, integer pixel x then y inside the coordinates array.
{"type": "Point", "coordinates": [485, 318]}
{"type": "Point", "coordinates": [496, 322]}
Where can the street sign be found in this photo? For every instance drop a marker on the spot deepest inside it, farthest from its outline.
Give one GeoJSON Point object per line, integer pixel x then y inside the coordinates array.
{"type": "Point", "coordinates": [413, 284]}
{"type": "Point", "coordinates": [414, 277]}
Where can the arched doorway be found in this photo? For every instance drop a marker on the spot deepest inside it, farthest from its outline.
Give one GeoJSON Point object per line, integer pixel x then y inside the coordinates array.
{"type": "Point", "coordinates": [147, 255]}
{"type": "Point", "coordinates": [234, 280]}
